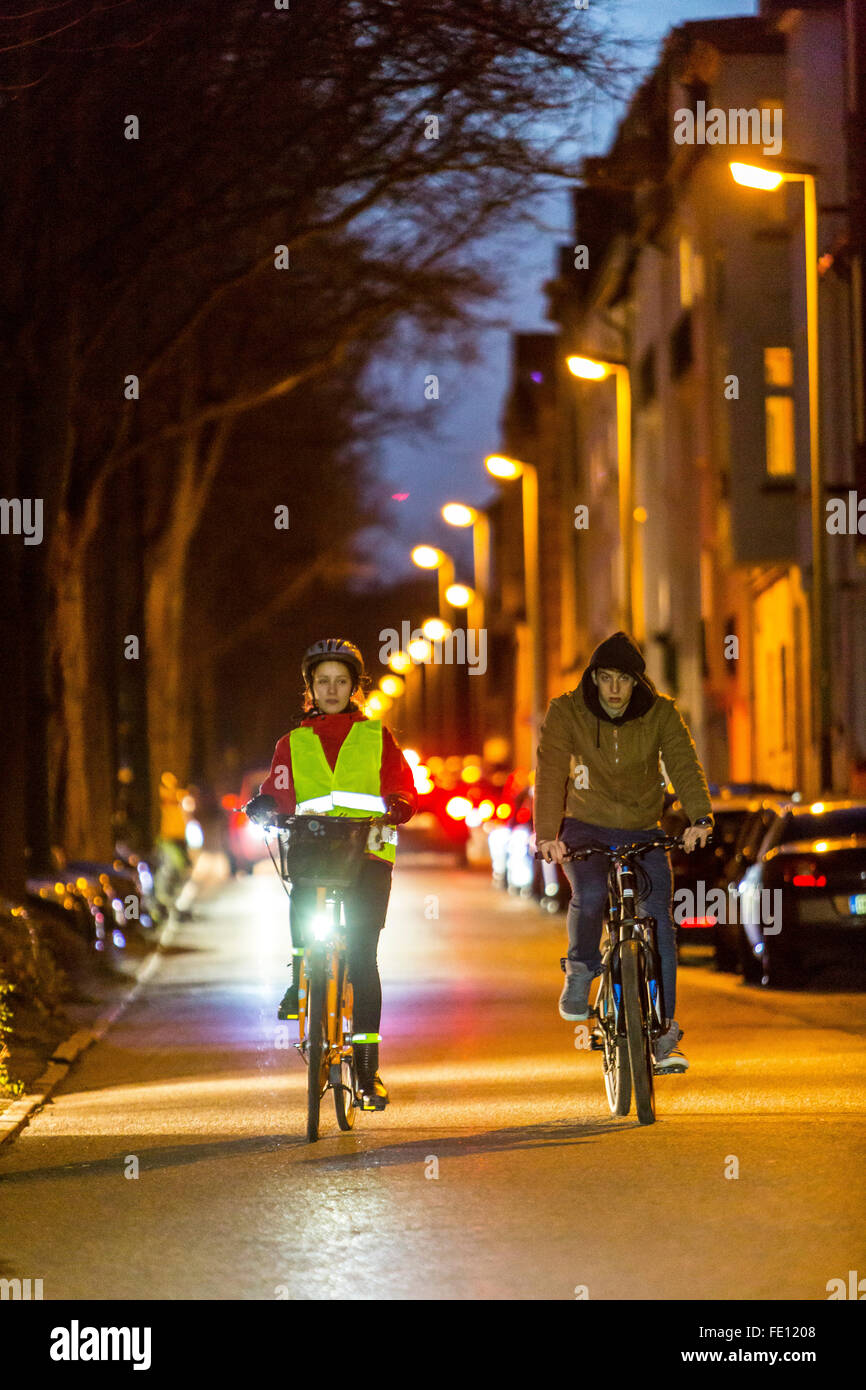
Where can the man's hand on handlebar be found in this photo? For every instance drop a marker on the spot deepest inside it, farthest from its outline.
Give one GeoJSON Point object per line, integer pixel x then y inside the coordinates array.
{"type": "Point", "coordinates": [696, 835]}
{"type": "Point", "coordinates": [552, 851]}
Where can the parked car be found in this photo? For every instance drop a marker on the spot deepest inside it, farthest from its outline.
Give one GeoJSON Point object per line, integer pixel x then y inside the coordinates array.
{"type": "Point", "coordinates": [704, 870]}
{"type": "Point", "coordinates": [801, 903]}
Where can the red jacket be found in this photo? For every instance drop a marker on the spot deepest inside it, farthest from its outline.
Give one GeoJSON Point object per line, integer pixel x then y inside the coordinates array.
{"type": "Point", "coordinates": [396, 774]}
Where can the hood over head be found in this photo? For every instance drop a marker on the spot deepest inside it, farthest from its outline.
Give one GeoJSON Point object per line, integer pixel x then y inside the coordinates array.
{"type": "Point", "coordinates": [619, 652]}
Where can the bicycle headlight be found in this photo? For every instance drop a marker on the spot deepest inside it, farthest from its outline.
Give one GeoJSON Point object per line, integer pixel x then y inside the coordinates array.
{"type": "Point", "coordinates": [321, 925]}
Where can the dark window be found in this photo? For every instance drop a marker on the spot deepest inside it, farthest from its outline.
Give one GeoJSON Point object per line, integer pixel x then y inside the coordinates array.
{"type": "Point", "coordinates": [681, 346]}
{"type": "Point", "coordinates": [646, 374]}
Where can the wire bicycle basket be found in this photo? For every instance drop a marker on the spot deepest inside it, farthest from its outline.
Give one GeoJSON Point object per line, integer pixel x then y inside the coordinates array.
{"type": "Point", "coordinates": [322, 849]}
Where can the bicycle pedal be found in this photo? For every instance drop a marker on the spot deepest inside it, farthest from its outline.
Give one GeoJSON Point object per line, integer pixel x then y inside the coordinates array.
{"type": "Point", "coordinates": [669, 1071]}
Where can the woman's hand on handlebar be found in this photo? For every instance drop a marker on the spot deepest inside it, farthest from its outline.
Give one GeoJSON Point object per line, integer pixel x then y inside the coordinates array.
{"type": "Point", "coordinates": [260, 809]}
{"type": "Point", "coordinates": [552, 851]}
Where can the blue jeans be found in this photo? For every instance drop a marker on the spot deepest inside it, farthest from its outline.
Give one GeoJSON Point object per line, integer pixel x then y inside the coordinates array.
{"type": "Point", "coordinates": [588, 879]}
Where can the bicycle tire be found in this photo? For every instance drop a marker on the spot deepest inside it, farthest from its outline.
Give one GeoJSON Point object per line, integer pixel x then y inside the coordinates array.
{"type": "Point", "coordinates": [637, 1032]}
{"type": "Point", "coordinates": [342, 1073]}
{"type": "Point", "coordinates": [615, 1061]}
{"type": "Point", "coordinates": [316, 1043]}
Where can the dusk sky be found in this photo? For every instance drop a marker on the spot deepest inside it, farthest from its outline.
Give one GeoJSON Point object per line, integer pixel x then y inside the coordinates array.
{"type": "Point", "coordinates": [434, 468]}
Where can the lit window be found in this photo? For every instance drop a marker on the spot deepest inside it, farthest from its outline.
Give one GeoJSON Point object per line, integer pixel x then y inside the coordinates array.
{"type": "Point", "coordinates": [686, 285]}
{"type": "Point", "coordinates": [779, 412]}
{"type": "Point", "coordinates": [778, 366]}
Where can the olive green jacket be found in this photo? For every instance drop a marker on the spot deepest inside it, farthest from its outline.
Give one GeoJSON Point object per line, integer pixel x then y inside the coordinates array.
{"type": "Point", "coordinates": [607, 772]}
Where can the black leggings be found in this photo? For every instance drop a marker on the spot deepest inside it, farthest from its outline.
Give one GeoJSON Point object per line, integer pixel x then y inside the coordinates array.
{"type": "Point", "coordinates": [366, 905]}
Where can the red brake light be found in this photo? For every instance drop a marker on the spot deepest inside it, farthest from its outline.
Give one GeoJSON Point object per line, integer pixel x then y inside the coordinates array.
{"type": "Point", "coordinates": [810, 880]}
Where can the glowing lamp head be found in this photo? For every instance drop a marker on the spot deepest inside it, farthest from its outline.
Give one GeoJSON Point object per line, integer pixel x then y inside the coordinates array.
{"type": "Point", "coordinates": [586, 368]}
{"type": "Point", "coordinates": [435, 629]}
{"type": "Point", "coordinates": [427, 557]}
{"type": "Point", "coordinates": [457, 514]}
{"type": "Point", "coordinates": [400, 662]}
{"type": "Point", "coordinates": [459, 595]}
{"type": "Point", "coordinates": [753, 176]}
{"type": "Point", "coordinates": [502, 467]}
{"type": "Point", "coordinates": [420, 650]}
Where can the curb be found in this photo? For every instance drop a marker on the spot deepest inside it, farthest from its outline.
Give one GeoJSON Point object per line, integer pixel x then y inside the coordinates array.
{"type": "Point", "coordinates": [17, 1115]}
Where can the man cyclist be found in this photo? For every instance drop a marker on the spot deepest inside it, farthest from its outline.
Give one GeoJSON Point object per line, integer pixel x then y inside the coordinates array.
{"type": "Point", "coordinates": [603, 742]}
{"type": "Point", "coordinates": [334, 748]}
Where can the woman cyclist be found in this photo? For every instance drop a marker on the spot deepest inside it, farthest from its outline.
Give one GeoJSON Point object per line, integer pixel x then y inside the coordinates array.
{"type": "Point", "coordinates": [333, 747]}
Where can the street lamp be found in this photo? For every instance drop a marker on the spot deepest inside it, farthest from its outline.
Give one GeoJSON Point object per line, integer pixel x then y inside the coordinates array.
{"type": "Point", "coordinates": [458, 514]}
{"type": "Point", "coordinates": [393, 686]}
{"type": "Point", "coordinates": [506, 470]}
{"type": "Point", "coordinates": [768, 177]}
{"type": "Point", "coordinates": [460, 595]}
{"type": "Point", "coordinates": [430, 557]}
{"type": "Point", "coordinates": [435, 629]}
{"type": "Point", "coordinates": [597, 369]}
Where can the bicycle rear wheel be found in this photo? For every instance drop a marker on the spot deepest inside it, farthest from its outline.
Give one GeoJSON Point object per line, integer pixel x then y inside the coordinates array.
{"type": "Point", "coordinates": [637, 1031]}
{"type": "Point", "coordinates": [317, 1044]}
{"type": "Point", "coordinates": [617, 1071]}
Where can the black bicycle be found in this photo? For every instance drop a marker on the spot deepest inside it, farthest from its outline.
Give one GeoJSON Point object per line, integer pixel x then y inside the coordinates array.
{"type": "Point", "coordinates": [629, 1006]}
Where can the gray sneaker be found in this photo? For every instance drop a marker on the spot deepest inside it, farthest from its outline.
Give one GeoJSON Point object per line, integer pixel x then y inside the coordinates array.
{"type": "Point", "coordinates": [574, 1000]}
{"type": "Point", "coordinates": [666, 1051]}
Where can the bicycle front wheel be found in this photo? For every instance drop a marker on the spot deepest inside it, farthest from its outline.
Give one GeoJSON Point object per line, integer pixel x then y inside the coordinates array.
{"type": "Point", "coordinates": [637, 1030]}
{"type": "Point", "coordinates": [317, 1044]}
{"type": "Point", "coordinates": [342, 1073]}
{"type": "Point", "coordinates": [617, 1071]}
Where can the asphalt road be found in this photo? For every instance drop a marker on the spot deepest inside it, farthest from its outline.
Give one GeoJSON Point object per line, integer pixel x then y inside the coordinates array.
{"type": "Point", "coordinates": [497, 1171]}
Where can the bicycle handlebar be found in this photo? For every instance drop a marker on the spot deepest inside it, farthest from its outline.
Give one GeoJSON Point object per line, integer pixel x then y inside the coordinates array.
{"type": "Point", "coordinates": [285, 822]}
{"type": "Point", "coordinates": [613, 852]}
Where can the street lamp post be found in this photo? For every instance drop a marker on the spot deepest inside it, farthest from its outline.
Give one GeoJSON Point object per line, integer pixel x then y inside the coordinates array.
{"type": "Point", "coordinates": [431, 557]}
{"type": "Point", "coordinates": [458, 514]}
{"type": "Point", "coordinates": [597, 369]}
{"type": "Point", "coordinates": [768, 177]}
{"type": "Point", "coordinates": [506, 469]}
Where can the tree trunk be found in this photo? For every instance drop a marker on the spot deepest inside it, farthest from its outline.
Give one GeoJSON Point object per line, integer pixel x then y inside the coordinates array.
{"type": "Point", "coordinates": [169, 674]}
{"type": "Point", "coordinates": [80, 761]}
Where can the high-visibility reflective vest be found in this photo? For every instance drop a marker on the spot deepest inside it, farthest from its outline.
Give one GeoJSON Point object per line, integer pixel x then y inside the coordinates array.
{"type": "Point", "coordinates": [351, 788]}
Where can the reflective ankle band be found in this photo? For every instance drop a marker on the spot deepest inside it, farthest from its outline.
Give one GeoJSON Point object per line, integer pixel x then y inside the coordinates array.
{"type": "Point", "coordinates": [366, 1037]}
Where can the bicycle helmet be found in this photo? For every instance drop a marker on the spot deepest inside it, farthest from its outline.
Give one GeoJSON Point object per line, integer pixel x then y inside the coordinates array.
{"type": "Point", "coordinates": [333, 649]}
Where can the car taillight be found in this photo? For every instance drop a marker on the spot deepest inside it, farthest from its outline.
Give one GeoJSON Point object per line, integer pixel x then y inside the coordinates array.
{"type": "Point", "coordinates": [803, 874]}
